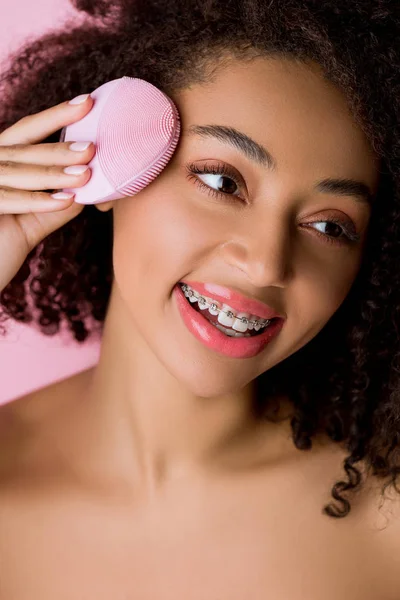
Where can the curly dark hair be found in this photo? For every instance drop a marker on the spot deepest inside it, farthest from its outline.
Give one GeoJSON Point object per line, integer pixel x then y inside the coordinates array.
{"type": "Point", "coordinates": [345, 382]}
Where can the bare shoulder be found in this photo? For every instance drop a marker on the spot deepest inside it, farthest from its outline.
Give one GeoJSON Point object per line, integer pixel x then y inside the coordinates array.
{"type": "Point", "coordinates": [28, 420]}
{"type": "Point", "coordinates": [40, 404]}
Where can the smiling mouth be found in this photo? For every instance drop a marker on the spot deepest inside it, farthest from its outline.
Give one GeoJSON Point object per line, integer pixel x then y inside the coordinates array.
{"type": "Point", "coordinates": [213, 319]}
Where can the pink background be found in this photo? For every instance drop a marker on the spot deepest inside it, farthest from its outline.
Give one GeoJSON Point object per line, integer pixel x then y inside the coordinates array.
{"type": "Point", "coordinates": [28, 359]}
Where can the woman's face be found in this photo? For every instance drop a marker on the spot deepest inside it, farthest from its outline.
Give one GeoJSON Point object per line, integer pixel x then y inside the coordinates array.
{"type": "Point", "coordinates": [270, 236]}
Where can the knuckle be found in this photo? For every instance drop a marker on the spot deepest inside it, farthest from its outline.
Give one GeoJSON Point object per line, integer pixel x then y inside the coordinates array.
{"type": "Point", "coordinates": [33, 195]}
{"type": "Point", "coordinates": [53, 148]}
{"type": "Point", "coordinates": [5, 166]}
{"type": "Point", "coordinates": [50, 170]}
{"type": "Point", "coordinates": [14, 149]}
{"type": "Point", "coordinates": [3, 194]}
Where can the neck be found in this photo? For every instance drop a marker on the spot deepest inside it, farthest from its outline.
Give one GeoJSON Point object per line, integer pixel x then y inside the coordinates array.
{"type": "Point", "coordinates": [156, 429]}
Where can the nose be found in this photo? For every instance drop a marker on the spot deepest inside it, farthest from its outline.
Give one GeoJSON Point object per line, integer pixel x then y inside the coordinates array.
{"type": "Point", "coordinates": [262, 251]}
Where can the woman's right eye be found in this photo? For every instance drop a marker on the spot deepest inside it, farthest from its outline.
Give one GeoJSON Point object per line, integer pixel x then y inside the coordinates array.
{"type": "Point", "coordinates": [217, 175]}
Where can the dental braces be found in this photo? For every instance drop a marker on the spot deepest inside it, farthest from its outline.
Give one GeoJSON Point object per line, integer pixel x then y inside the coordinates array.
{"type": "Point", "coordinates": [201, 300]}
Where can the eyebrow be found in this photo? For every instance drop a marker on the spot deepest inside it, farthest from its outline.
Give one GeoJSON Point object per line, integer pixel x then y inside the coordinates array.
{"type": "Point", "coordinates": [261, 156]}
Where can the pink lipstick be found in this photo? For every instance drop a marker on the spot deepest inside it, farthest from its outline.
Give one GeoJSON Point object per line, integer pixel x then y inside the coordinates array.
{"type": "Point", "coordinates": [211, 337]}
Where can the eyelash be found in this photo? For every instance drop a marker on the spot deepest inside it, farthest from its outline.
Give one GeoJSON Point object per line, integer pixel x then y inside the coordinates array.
{"type": "Point", "coordinates": [351, 236]}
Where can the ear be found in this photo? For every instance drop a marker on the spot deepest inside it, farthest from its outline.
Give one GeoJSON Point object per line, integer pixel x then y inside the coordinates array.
{"type": "Point", "coordinates": [105, 206]}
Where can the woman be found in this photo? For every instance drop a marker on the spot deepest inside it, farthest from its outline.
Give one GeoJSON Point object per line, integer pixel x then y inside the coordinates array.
{"type": "Point", "coordinates": [179, 467]}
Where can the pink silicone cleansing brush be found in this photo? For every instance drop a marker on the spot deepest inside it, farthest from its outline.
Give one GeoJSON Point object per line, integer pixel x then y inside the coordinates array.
{"type": "Point", "coordinates": [136, 128]}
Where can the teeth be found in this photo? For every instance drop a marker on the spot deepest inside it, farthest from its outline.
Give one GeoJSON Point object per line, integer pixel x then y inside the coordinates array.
{"type": "Point", "coordinates": [213, 308]}
{"type": "Point", "coordinates": [226, 318]}
{"type": "Point", "coordinates": [240, 322]}
{"type": "Point", "coordinates": [230, 332]}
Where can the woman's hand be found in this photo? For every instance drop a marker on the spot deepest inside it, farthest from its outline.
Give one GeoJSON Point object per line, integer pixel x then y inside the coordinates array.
{"type": "Point", "coordinates": [28, 215]}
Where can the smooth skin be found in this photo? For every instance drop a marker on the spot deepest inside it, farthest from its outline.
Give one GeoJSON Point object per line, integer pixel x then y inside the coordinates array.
{"type": "Point", "coordinates": [148, 476]}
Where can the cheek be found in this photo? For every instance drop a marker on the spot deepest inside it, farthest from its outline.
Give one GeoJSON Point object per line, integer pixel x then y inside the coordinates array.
{"type": "Point", "coordinates": [321, 292]}
{"type": "Point", "coordinates": [157, 234]}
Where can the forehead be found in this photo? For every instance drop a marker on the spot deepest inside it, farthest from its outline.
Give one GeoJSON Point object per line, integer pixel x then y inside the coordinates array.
{"type": "Point", "coordinates": [288, 107]}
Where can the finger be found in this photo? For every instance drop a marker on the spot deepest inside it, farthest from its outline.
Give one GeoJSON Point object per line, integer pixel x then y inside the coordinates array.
{"type": "Point", "coordinates": [15, 202]}
{"type": "Point", "coordinates": [46, 154]}
{"type": "Point", "coordinates": [34, 128]}
{"type": "Point", "coordinates": [38, 177]}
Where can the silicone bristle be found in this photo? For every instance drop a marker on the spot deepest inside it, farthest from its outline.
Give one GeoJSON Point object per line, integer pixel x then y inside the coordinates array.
{"type": "Point", "coordinates": [135, 147]}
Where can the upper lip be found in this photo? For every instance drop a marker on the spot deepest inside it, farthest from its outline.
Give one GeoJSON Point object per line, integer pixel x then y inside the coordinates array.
{"type": "Point", "coordinates": [234, 299]}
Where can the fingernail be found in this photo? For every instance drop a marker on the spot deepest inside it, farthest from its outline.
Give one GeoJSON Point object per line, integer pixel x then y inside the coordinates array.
{"type": "Point", "coordinates": [62, 196]}
{"type": "Point", "coordinates": [75, 170]}
{"type": "Point", "coordinates": [79, 146]}
{"type": "Point", "coordinates": [79, 99]}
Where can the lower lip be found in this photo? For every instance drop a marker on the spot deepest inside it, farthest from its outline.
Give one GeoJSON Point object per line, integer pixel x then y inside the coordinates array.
{"type": "Point", "coordinates": [214, 339]}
